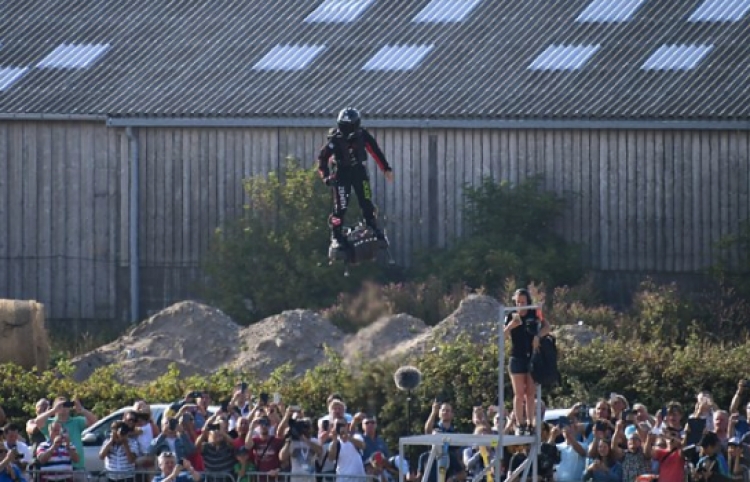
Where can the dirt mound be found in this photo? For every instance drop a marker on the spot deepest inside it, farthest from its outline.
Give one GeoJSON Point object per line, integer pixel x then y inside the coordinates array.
{"type": "Point", "coordinates": [201, 339]}
{"type": "Point", "coordinates": [382, 336]}
{"type": "Point", "coordinates": [476, 317]}
{"type": "Point", "coordinates": [197, 337]}
{"type": "Point", "coordinates": [296, 336]}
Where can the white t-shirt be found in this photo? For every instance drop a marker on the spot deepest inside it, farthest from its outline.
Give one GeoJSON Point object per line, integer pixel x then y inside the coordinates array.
{"type": "Point", "coordinates": [303, 459]}
{"type": "Point", "coordinates": [24, 450]}
{"type": "Point", "coordinates": [349, 463]}
{"type": "Point", "coordinates": [144, 439]}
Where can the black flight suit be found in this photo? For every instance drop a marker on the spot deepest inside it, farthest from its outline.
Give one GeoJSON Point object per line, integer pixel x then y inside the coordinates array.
{"type": "Point", "coordinates": [347, 170]}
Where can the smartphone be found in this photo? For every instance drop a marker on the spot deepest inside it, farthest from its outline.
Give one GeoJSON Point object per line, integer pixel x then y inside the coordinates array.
{"type": "Point", "coordinates": [195, 394]}
{"type": "Point", "coordinates": [663, 412]}
{"type": "Point", "coordinates": [179, 461]}
{"type": "Point", "coordinates": [224, 407]}
{"type": "Point", "coordinates": [243, 387]}
{"type": "Point", "coordinates": [563, 422]}
{"type": "Point", "coordinates": [264, 398]}
{"type": "Point", "coordinates": [276, 398]}
{"type": "Point", "coordinates": [583, 413]}
{"type": "Point", "coordinates": [295, 408]}
{"type": "Point", "coordinates": [69, 404]}
{"type": "Point", "coordinates": [326, 425]}
{"type": "Point", "coordinates": [173, 424]}
{"type": "Point", "coordinates": [696, 427]}
{"type": "Point", "coordinates": [600, 426]}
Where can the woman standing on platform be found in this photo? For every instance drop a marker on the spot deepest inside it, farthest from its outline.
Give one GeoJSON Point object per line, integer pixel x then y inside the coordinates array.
{"type": "Point", "coordinates": [525, 328]}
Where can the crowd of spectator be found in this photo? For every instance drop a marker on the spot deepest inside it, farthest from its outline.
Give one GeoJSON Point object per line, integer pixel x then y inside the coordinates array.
{"type": "Point", "coordinates": [261, 440]}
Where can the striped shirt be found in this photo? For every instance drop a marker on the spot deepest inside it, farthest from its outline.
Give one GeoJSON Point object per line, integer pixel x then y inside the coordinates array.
{"type": "Point", "coordinates": [218, 458]}
{"type": "Point", "coordinates": [117, 464]}
{"type": "Point", "coordinates": [59, 466]}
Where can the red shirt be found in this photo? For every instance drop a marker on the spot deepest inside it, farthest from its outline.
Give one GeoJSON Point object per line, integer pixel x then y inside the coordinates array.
{"type": "Point", "coordinates": [671, 465]}
{"type": "Point", "coordinates": [266, 453]}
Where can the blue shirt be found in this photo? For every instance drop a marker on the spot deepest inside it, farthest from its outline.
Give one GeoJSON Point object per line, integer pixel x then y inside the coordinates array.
{"type": "Point", "coordinates": [572, 464]}
{"type": "Point", "coordinates": [720, 466]}
{"type": "Point", "coordinates": [373, 445]}
{"type": "Point", "coordinates": [4, 477]}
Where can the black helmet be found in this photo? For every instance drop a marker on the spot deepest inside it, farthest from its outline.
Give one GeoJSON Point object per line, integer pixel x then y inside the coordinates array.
{"type": "Point", "coordinates": [349, 120]}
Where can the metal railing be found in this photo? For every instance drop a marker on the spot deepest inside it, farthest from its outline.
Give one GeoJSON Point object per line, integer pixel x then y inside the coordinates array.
{"type": "Point", "coordinates": [41, 475]}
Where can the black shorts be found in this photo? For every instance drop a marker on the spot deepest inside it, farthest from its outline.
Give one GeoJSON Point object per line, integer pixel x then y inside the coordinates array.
{"type": "Point", "coordinates": [519, 365]}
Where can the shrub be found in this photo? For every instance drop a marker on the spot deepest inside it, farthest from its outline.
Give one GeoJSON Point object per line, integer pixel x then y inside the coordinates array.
{"type": "Point", "coordinates": [463, 372]}
{"type": "Point", "coordinates": [274, 257]}
{"type": "Point", "coordinates": [509, 232]}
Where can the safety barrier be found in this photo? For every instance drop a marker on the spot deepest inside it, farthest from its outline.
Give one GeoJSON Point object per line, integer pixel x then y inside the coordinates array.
{"type": "Point", "coordinates": [41, 475]}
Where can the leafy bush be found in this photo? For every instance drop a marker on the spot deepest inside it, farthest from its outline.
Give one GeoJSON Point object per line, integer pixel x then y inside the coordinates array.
{"type": "Point", "coordinates": [464, 372]}
{"type": "Point", "coordinates": [275, 257]}
{"type": "Point", "coordinates": [733, 266]}
{"type": "Point", "coordinates": [509, 232]}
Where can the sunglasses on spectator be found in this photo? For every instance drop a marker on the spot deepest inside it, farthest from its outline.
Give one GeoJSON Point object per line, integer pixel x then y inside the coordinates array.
{"type": "Point", "coordinates": [369, 422]}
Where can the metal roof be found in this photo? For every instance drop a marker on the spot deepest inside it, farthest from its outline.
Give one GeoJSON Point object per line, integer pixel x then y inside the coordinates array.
{"type": "Point", "coordinates": [394, 59]}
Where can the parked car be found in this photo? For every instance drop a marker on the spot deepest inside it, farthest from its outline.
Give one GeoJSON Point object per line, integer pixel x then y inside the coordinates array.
{"type": "Point", "coordinates": [94, 436]}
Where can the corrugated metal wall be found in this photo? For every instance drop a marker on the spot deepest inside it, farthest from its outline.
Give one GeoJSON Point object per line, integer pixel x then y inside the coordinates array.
{"type": "Point", "coordinates": [644, 202]}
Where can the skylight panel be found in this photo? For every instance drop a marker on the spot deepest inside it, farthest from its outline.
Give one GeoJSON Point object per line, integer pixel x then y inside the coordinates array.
{"type": "Point", "coordinates": [676, 57]}
{"type": "Point", "coordinates": [564, 57]}
{"type": "Point", "coordinates": [340, 11]}
{"type": "Point", "coordinates": [9, 75]}
{"type": "Point", "coordinates": [721, 11]}
{"type": "Point", "coordinates": [446, 11]}
{"type": "Point", "coordinates": [289, 57]}
{"type": "Point", "coordinates": [398, 57]}
{"type": "Point", "coordinates": [73, 56]}
{"type": "Point", "coordinates": [610, 11]}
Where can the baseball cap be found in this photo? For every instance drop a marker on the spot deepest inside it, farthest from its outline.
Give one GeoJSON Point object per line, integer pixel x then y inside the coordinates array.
{"type": "Point", "coordinates": [734, 441]}
{"type": "Point", "coordinates": [630, 431]}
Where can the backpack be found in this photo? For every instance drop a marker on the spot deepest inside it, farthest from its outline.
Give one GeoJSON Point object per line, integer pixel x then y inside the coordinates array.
{"type": "Point", "coordinates": [549, 456]}
{"type": "Point", "coordinates": [543, 366]}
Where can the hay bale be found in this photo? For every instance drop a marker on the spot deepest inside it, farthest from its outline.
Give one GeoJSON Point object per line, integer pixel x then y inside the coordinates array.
{"type": "Point", "coordinates": [23, 334]}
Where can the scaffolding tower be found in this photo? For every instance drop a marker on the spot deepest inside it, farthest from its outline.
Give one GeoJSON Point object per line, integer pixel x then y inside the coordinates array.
{"type": "Point", "coordinates": [441, 442]}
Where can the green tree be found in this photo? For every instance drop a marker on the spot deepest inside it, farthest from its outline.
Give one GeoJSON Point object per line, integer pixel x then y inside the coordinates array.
{"type": "Point", "coordinates": [509, 233]}
{"type": "Point", "coordinates": [274, 257]}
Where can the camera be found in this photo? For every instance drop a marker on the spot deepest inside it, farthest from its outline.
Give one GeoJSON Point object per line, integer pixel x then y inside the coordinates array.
{"type": "Point", "coordinates": [264, 398]}
{"type": "Point", "coordinates": [123, 429]}
{"type": "Point", "coordinates": [212, 426]}
{"type": "Point", "coordinates": [173, 424]}
{"type": "Point", "coordinates": [326, 425]}
{"type": "Point", "coordinates": [297, 428]}
{"type": "Point", "coordinates": [195, 394]}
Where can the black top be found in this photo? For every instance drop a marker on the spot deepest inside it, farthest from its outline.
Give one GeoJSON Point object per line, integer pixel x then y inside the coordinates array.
{"type": "Point", "coordinates": [522, 336]}
{"type": "Point", "coordinates": [348, 151]}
